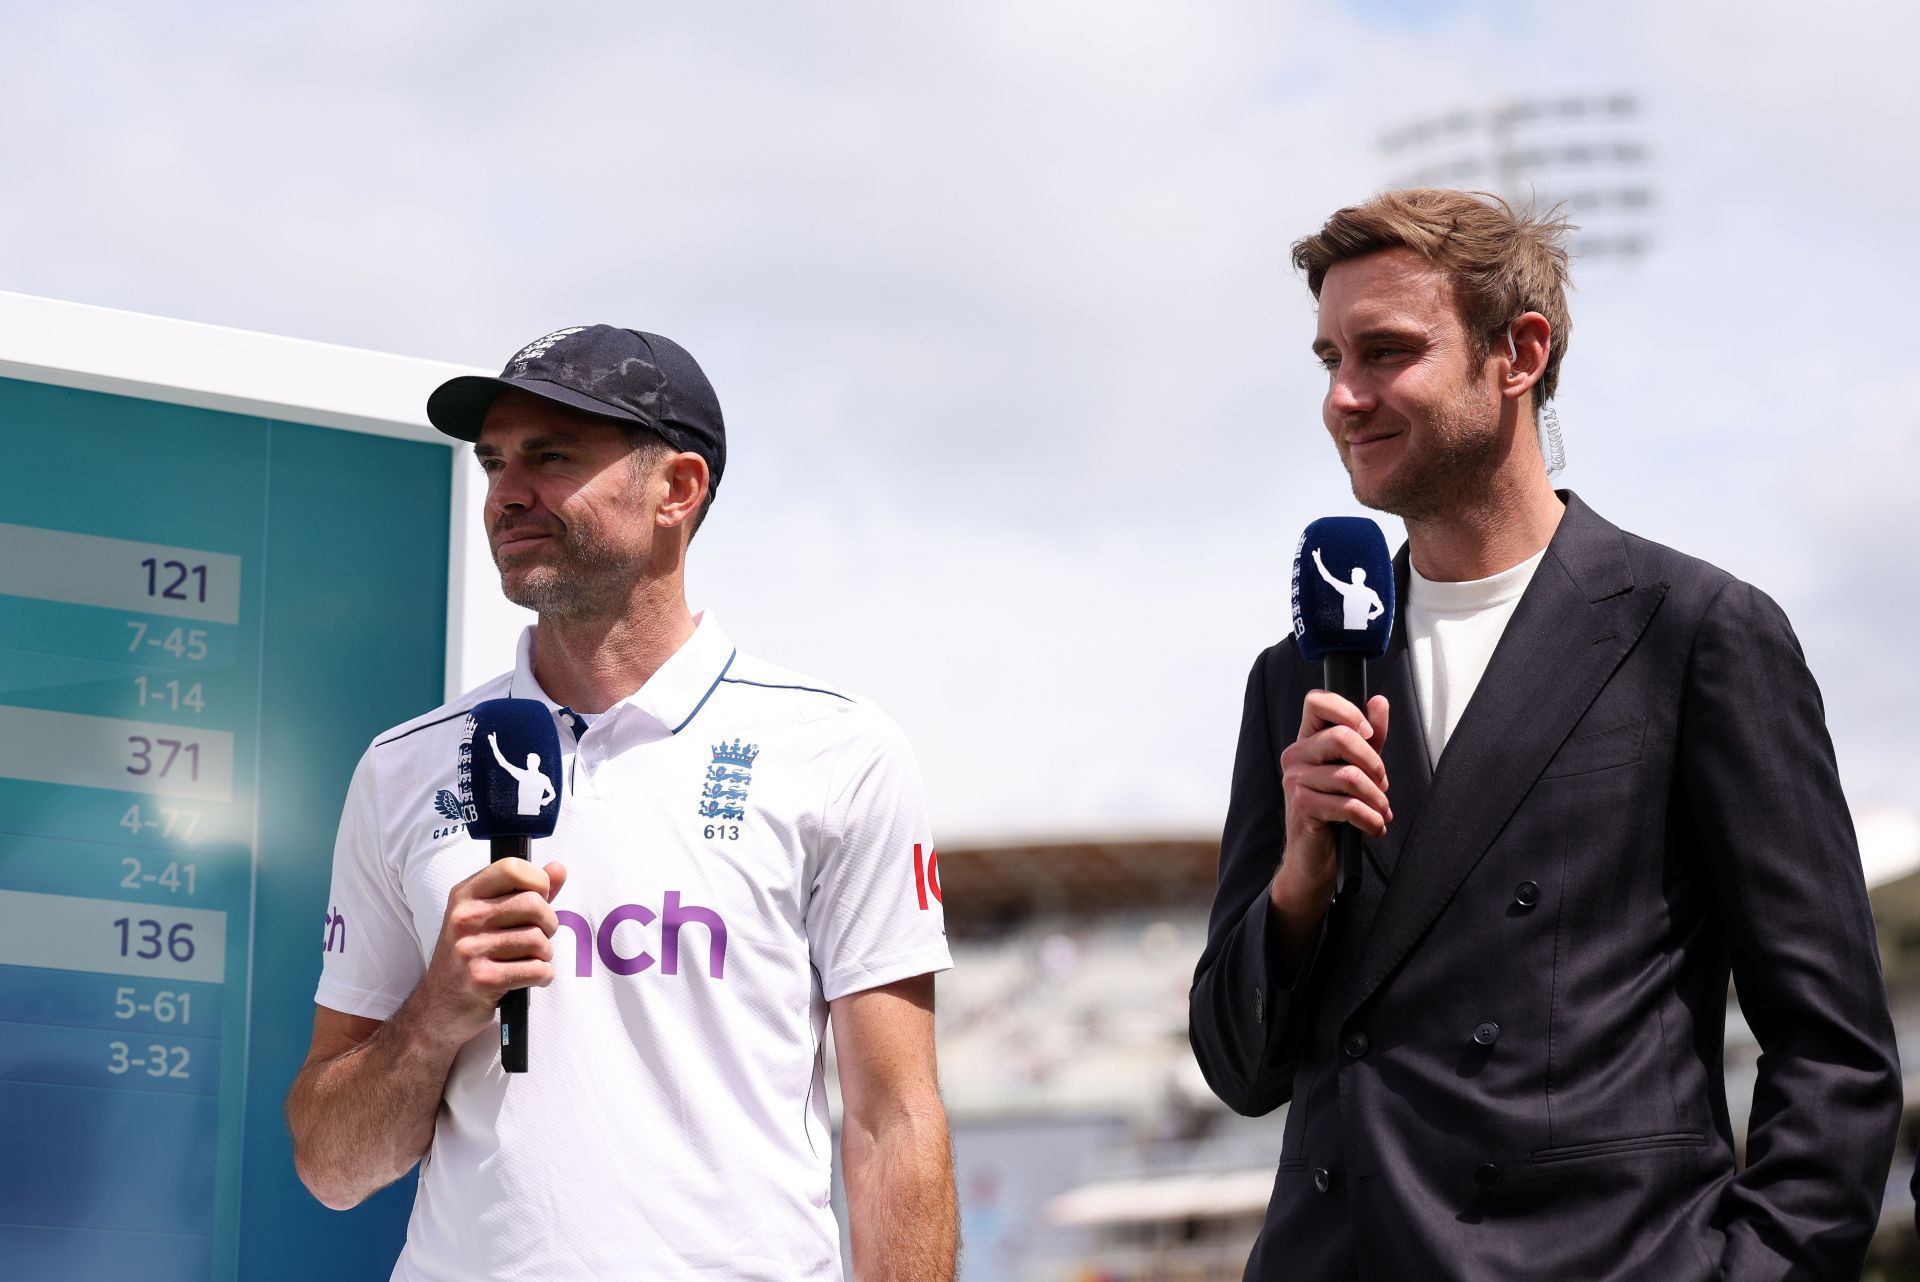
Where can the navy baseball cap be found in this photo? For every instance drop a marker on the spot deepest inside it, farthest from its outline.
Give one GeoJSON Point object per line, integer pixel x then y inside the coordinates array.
{"type": "Point", "coordinates": [621, 375]}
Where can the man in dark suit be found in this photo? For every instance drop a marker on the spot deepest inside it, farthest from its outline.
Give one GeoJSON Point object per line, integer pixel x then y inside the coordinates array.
{"type": "Point", "coordinates": [1608, 787]}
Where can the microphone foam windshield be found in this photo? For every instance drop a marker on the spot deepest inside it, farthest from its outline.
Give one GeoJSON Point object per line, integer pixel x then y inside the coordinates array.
{"type": "Point", "coordinates": [510, 769]}
{"type": "Point", "coordinates": [1342, 588]}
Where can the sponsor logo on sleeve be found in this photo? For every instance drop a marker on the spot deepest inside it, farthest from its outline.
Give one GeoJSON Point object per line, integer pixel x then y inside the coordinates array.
{"type": "Point", "coordinates": [336, 932]}
{"type": "Point", "coordinates": [926, 875]}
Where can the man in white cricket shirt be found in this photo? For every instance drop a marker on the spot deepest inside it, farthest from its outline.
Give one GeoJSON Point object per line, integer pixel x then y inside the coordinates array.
{"type": "Point", "coordinates": [741, 852]}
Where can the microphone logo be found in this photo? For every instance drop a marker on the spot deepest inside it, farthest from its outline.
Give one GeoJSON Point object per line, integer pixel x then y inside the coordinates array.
{"type": "Point", "coordinates": [536, 790]}
{"type": "Point", "coordinates": [1359, 604]}
{"type": "Point", "coordinates": [1348, 609]}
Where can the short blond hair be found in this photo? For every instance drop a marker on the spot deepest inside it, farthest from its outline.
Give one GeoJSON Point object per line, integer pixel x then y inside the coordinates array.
{"type": "Point", "coordinates": [1500, 261]}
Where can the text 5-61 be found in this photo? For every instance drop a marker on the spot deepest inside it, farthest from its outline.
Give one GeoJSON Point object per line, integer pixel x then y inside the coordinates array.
{"type": "Point", "coordinates": [166, 1007]}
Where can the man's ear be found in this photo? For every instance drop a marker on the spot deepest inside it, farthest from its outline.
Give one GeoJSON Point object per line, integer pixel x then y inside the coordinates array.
{"type": "Point", "coordinates": [1528, 343]}
{"type": "Point", "coordinates": [684, 477]}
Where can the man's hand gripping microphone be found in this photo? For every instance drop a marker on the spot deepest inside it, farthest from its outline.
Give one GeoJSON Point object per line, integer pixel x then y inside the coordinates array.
{"type": "Point", "coordinates": [1343, 599]}
{"type": "Point", "coordinates": [510, 784]}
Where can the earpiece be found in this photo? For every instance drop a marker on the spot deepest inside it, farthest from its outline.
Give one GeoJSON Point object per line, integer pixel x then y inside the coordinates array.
{"type": "Point", "coordinates": [1513, 353]}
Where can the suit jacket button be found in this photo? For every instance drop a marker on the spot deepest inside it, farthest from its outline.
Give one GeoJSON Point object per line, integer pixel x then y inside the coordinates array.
{"type": "Point", "coordinates": [1322, 1179]}
{"type": "Point", "coordinates": [1356, 1045]}
{"type": "Point", "coordinates": [1487, 1175]}
{"type": "Point", "coordinates": [1487, 1034]}
{"type": "Point", "coordinates": [1527, 894]}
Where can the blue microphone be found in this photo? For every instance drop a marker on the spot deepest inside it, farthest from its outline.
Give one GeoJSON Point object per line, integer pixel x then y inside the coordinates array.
{"type": "Point", "coordinates": [510, 791]}
{"type": "Point", "coordinates": [1343, 616]}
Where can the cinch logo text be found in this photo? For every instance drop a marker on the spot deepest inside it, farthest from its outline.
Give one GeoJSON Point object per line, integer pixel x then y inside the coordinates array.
{"type": "Point", "coordinates": [672, 916]}
{"type": "Point", "coordinates": [336, 937]}
{"type": "Point", "coordinates": [926, 874]}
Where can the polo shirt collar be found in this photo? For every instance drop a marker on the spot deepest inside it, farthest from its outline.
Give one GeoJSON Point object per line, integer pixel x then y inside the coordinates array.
{"type": "Point", "coordinates": [672, 696]}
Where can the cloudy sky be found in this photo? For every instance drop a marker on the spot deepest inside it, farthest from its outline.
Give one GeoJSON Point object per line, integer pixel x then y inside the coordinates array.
{"type": "Point", "coordinates": [1023, 421]}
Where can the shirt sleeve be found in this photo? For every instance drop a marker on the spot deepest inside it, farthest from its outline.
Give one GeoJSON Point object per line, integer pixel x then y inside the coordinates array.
{"type": "Point", "coordinates": [874, 904]}
{"type": "Point", "coordinates": [370, 958]}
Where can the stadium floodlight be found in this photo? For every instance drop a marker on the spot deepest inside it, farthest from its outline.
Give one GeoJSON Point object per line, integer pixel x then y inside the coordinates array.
{"type": "Point", "coordinates": [1586, 151]}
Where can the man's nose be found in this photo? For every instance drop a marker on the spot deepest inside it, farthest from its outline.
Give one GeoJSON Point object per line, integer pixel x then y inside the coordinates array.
{"type": "Point", "coordinates": [508, 490]}
{"type": "Point", "coordinates": [1347, 394]}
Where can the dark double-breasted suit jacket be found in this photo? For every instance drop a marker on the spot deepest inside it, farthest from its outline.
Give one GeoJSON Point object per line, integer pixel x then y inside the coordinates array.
{"type": "Point", "coordinates": [1504, 1056]}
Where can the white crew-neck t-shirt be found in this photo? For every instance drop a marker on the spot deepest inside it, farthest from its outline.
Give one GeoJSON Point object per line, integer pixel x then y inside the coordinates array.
{"type": "Point", "coordinates": [743, 846]}
{"type": "Point", "coordinates": [1452, 629]}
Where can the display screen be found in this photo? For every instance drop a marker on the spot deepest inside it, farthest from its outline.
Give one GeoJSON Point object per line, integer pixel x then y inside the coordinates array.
{"type": "Point", "coordinates": [204, 618]}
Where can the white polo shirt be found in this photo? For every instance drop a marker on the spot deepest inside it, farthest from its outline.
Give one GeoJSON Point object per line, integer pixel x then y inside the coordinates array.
{"type": "Point", "coordinates": [742, 846]}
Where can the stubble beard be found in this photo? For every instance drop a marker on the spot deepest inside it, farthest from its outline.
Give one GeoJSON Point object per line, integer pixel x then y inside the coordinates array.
{"type": "Point", "coordinates": [1452, 471]}
{"type": "Point", "coordinates": [589, 578]}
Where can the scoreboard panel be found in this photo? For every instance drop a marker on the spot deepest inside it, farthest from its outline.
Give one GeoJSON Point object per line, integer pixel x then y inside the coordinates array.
{"type": "Point", "coordinates": [205, 616]}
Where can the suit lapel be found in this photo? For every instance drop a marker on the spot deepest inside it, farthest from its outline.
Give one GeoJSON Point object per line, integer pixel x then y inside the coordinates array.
{"type": "Point", "coordinates": [1409, 765]}
{"type": "Point", "coordinates": [1579, 617]}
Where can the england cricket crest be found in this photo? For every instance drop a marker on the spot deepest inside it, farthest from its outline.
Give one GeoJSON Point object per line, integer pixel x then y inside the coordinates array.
{"type": "Point", "coordinates": [724, 795]}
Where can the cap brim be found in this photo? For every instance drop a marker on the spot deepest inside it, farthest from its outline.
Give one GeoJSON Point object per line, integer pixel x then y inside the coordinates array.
{"type": "Point", "coordinates": [459, 406]}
